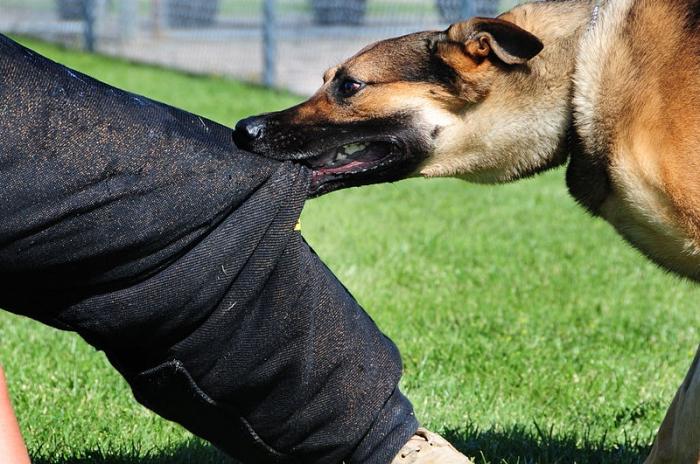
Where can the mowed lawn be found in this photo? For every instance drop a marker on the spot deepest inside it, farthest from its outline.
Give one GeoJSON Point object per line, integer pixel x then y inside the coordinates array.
{"type": "Point", "coordinates": [530, 332]}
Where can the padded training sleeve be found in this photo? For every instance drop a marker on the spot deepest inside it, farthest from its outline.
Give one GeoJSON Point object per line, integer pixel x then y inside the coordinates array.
{"type": "Point", "coordinates": [145, 230]}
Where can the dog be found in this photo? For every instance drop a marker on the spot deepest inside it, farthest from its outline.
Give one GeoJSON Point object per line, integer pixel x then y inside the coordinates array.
{"type": "Point", "coordinates": [609, 87]}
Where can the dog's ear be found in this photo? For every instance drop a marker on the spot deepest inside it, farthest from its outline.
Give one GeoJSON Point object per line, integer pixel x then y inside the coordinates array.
{"type": "Point", "coordinates": [480, 37]}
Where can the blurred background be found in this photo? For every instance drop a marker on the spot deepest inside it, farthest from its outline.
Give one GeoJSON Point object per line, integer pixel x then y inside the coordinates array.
{"type": "Point", "coordinates": [278, 43]}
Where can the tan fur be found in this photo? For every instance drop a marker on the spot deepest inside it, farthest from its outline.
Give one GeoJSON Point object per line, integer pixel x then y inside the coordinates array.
{"type": "Point", "coordinates": [481, 147]}
{"type": "Point", "coordinates": [383, 99]}
{"type": "Point", "coordinates": [648, 126]}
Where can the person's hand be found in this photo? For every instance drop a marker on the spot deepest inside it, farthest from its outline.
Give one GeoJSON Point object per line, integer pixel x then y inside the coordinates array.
{"type": "Point", "coordinates": [12, 448]}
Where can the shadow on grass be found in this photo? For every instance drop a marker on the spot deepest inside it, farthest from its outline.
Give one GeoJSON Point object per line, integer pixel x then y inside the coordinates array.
{"type": "Point", "coordinates": [190, 452]}
{"type": "Point", "coordinates": [517, 445]}
{"type": "Point", "coordinates": [523, 445]}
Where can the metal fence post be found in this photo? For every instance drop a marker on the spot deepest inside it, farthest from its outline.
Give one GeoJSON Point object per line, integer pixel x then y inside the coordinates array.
{"type": "Point", "coordinates": [128, 19]}
{"type": "Point", "coordinates": [269, 42]}
{"type": "Point", "coordinates": [157, 17]}
{"type": "Point", "coordinates": [89, 19]}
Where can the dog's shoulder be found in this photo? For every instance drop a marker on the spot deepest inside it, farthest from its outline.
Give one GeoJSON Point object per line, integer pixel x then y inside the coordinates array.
{"type": "Point", "coordinates": [602, 46]}
{"type": "Point", "coordinates": [631, 48]}
{"type": "Point", "coordinates": [637, 115]}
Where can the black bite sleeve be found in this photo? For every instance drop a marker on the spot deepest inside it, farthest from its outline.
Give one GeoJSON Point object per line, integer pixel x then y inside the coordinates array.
{"type": "Point", "coordinates": [144, 229]}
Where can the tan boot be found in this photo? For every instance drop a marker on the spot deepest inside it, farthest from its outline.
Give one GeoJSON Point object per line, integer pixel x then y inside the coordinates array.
{"type": "Point", "coordinates": [429, 448]}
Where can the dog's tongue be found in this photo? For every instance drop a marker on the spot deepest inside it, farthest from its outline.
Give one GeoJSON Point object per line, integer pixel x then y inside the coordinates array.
{"type": "Point", "coordinates": [347, 167]}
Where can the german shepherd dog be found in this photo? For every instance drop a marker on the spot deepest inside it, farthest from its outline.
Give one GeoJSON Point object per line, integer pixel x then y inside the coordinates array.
{"type": "Point", "coordinates": [611, 87]}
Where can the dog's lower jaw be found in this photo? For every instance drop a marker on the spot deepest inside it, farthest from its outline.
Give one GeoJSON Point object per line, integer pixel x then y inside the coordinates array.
{"type": "Point", "coordinates": [499, 158]}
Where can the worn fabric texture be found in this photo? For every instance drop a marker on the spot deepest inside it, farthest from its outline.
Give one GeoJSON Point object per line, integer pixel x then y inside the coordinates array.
{"type": "Point", "coordinates": [145, 230]}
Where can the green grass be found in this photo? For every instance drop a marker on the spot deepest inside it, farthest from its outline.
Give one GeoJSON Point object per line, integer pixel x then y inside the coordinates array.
{"type": "Point", "coordinates": [530, 332]}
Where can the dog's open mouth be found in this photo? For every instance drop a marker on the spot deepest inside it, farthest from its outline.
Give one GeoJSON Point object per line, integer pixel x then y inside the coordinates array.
{"type": "Point", "coordinates": [354, 164]}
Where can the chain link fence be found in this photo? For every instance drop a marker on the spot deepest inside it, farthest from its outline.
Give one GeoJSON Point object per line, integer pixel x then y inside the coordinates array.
{"type": "Point", "coordinates": [281, 43]}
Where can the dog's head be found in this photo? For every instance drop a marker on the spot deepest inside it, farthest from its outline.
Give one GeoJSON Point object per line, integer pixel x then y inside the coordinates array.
{"type": "Point", "coordinates": [435, 103]}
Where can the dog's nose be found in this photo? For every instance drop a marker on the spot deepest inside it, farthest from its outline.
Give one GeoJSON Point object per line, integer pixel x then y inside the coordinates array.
{"type": "Point", "coordinates": [248, 130]}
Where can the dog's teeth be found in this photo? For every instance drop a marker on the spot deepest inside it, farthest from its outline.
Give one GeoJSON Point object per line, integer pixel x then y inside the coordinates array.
{"type": "Point", "coordinates": [346, 151]}
{"type": "Point", "coordinates": [354, 148]}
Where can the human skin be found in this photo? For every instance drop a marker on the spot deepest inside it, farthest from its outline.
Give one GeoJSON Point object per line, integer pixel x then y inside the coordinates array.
{"type": "Point", "coordinates": [12, 448]}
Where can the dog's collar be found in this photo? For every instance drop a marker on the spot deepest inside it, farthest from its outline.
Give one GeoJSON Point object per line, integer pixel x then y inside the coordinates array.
{"type": "Point", "coordinates": [595, 14]}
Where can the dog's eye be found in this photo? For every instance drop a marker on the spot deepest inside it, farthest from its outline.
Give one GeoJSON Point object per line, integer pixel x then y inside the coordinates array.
{"type": "Point", "coordinates": [350, 87]}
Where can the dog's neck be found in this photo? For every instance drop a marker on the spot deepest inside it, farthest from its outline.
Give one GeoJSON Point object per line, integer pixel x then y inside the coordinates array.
{"type": "Point", "coordinates": [595, 14]}
{"type": "Point", "coordinates": [561, 26]}
{"type": "Point", "coordinates": [522, 127]}
{"type": "Point", "coordinates": [525, 123]}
